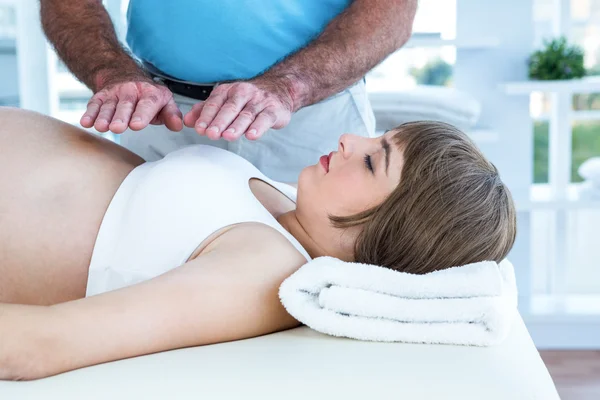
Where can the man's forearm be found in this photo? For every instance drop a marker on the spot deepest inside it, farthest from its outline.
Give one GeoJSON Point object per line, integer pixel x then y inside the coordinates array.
{"type": "Point", "coordinates": [351, 45]}
{"type": "Point", "coordinates": [84, 38]}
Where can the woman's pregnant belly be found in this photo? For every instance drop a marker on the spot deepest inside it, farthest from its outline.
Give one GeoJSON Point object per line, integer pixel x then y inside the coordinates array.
{"type": "Point", "coordinates": [56, 182]}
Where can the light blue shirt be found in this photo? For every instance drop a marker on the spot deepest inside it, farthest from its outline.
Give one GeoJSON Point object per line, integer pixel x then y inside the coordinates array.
{"type": "Point", "coordinates": [215, 40]}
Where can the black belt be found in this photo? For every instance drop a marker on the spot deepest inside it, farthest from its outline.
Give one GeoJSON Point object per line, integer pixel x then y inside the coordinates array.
{"type": "Point", "coordinates": [194, 91]}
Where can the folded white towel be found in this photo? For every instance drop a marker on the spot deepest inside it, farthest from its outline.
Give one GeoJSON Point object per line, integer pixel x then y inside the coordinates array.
{"type": "Point", "coordinates": [471, 305]}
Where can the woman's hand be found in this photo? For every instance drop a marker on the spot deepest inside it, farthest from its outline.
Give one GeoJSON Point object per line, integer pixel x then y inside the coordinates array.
{"type": "Point", "coordinates": [132, 102]}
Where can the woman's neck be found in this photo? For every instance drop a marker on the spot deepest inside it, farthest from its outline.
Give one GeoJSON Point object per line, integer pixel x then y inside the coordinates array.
{"type": "Point", "coordinates": [312, 243]}
{"type": "Point", "coordinates": [282, 208]}
{"type": "Point", "coordinates": [292, 224]}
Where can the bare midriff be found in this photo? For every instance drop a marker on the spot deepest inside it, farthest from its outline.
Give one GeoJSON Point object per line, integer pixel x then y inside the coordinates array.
{"type": "Point", "coordinates": [56, 182]}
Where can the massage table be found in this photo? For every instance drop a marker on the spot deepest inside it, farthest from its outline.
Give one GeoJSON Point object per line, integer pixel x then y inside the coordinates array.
{"type": "Point", "coordinates": [304, 364]}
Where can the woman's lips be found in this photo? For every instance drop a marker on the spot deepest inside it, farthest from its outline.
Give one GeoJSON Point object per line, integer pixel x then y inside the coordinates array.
{"type": "Point", "coordinates": [324, 160]}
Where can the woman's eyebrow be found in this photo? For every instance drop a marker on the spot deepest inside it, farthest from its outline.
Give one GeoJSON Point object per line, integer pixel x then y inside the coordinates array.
{"type": "Point", "coordinates": [386, 148]}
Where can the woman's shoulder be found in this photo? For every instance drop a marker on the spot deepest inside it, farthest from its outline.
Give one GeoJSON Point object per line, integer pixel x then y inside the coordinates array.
{"type": "Point", "coordinates": [259, 244]}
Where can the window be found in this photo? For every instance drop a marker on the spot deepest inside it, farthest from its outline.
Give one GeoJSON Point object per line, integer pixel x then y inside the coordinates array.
{"type": "Point", "coordinates": [564, 235]}
{"type": "Point", "coordinates": [583, 30]}
{"type": "Point", "coordinates": [430, 63]}
{"type": "Point", "coordinates": [585, 142]}
{"type": "Point", "coordinates": [8, 22]}
{"type": "Point", "coordinates": [9, 90]}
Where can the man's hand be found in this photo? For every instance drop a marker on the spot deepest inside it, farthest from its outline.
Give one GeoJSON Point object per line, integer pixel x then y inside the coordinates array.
{"type": "Point", "coordinates": [243, 108]}
{"type": "Point", "coordinates": [84, 37]}
{"type": "Point", "coordinates": [132, 103]}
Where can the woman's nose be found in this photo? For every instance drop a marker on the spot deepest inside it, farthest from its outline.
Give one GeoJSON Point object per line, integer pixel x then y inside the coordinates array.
{"type": "Point", "coordinates": [347, 144]}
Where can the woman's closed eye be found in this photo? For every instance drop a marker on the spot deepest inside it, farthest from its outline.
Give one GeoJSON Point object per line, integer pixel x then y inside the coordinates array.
{"type": "Point", "coordinates": [369, 164]}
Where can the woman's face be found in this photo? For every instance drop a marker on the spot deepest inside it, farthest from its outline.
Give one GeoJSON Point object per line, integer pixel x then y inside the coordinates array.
{"type": "Point", "coordinates": [359, 175]}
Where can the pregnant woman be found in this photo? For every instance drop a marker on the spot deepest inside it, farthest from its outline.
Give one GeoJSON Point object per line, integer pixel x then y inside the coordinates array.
{"type": "Point", "coordinates": [104, 257]}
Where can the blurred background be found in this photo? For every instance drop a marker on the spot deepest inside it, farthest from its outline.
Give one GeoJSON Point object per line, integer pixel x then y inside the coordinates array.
{"type": "Point", "coordinates": [467, 64]}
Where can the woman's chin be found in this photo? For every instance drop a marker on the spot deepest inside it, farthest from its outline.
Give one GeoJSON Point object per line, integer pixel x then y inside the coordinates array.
{"type": "Point", "coordinates": [304, 175]}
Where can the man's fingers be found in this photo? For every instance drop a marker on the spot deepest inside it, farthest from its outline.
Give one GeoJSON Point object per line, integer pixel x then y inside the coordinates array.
{"type": "Point", "coordinates": [120, 120]}
{"type": "Point", "coordinates": [145, 110]}
{"type": "Point", "coordinates": [210, 108]}
{"type": "Point", "coordinates": [105, 115]}
{"type": "Point", "coordinates": [171, 116]}
{"type": "Point", "coordinates": [157, 120]}
{"type": "Point", "coordinates": [262, 123]}
{"type": "Point", "coordinates": [192, 116]}
{"type": "Point", "coordinates": [91, 113]}
{"type": "Point", "coordinates": [240, 124]}
{"type": "Point", "coordinates": [228, 113]}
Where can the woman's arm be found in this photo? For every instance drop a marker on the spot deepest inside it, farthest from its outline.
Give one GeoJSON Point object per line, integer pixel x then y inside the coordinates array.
{"type": "Point", "coordinates": [227, 294]}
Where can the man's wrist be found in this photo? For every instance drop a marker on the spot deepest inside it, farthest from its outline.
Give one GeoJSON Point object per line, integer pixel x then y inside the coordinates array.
{"type": "Point", "coordinates": [109, 76]}
{"type": "Point", "coordinates": [294, 88]}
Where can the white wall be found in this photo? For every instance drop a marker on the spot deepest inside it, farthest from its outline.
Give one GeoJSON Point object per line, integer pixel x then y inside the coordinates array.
{"type": "Point", "coordinates": [480, 72]}
{"type": "Point", "coordinates": [9, 87]}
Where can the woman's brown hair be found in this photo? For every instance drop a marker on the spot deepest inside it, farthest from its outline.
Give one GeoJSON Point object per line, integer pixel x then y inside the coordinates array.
{"type": "Point", "coordinates": [449, 209]}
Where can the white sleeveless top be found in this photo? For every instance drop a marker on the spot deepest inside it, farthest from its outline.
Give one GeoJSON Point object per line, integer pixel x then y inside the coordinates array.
{"type": "Point", "coordinates": [165, 209]}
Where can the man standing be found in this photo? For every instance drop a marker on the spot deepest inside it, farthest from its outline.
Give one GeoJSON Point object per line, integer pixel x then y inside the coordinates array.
{"type": "Point", "coordinates": [275, 81]}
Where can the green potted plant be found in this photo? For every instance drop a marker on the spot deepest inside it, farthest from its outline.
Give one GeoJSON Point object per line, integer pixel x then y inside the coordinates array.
{"type": "Point", "coordinates": [437, 72]}
{"type": "Point", "coordinates": [557, 60]}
